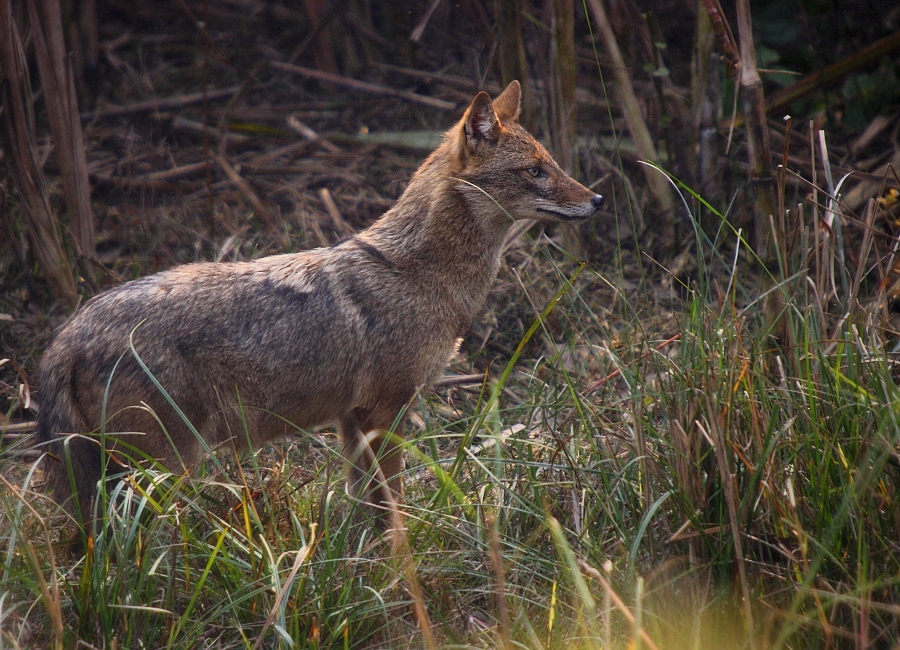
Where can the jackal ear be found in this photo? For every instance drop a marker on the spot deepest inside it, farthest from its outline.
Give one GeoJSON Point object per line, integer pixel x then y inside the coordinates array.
{"type": "Point", "coordinates": [480, 122]}
{"type": "Point", "coordinates": [508, 102]}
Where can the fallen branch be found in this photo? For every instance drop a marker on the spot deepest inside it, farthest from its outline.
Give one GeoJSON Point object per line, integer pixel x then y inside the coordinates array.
{"type": "Point", "coordinates": [166, 104]}
{"type": "Point", "coordinates": [154, 181]}
{"type": "Point", "coordinates": [780, 100]}
{"type": "Point", "coordinates": [364, 86]}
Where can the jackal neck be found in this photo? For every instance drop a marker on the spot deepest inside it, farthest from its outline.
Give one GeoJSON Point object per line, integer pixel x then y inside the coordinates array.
{"type": "Point", "coordinates": [437, 234]}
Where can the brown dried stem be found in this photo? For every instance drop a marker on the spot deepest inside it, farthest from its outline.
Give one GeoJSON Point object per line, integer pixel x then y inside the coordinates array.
{"type": "Point", "coordinates": [17, 133]}
{"type": "Point", "coordinates": [65, 125]}
{"type": "Point", "coordinates": [751, 92]}
{"type": "Point", "coordinates": [658, 184]}
{"type": "Point", "coordinates": [365, 86]}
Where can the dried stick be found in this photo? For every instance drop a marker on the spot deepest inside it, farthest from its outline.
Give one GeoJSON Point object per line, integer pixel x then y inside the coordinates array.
{"type": "Point", "coordinates": [180, 123]}
{"type": "Point", "coordinates": [801, 88]}
{"type": "Point", "coordinates": [416, 35]}
{"type": "Point", "coordinates": [154, 180]}
{"type": "Point", "coordinates": [341, 227]}
{"type": "Point", "coordinates": [62, 111]}
{"type": "Point", "coordinates": [18, 427]}
{"type": "Point", "coordinates": [458, 380]}
{"type": "Point", "coordinates": [759, 148]}
{"type": "Point", "coordinates": [619, 603]}
{"type": "Point", "coordinates": [364, 86]}
{"type": "Point", "coordinates": [451, 80]}
{"type": "Point", "coordinates": [17, 135]}
{"type": "Point", "coordinates": [244, 187]}
{"type": "Point", "coordinates": [658, 184]}
{"type": "Point", "coordinates": [294, 124]}
{"type": "Point", "coordinates": [165, 104]}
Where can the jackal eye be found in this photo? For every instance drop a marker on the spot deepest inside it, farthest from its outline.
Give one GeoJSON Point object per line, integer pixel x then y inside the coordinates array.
{"type": "Point", "coordinates": [536, 172]}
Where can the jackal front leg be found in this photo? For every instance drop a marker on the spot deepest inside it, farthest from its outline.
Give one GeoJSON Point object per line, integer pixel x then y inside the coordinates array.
{"type": "Point", "coordinates": [374, 459]}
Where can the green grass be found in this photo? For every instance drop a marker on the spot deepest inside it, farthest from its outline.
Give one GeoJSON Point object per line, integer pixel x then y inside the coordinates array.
{"type": "Point", "coordinates": [729, 482]}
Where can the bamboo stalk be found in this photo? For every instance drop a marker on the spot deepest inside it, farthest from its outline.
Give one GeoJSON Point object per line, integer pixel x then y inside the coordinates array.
{"type": "Point", "coordinates": [17, 133]}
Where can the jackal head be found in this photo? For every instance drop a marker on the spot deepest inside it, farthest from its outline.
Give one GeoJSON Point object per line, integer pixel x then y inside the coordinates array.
{"type": "Point", "coordinates": [509, 168]}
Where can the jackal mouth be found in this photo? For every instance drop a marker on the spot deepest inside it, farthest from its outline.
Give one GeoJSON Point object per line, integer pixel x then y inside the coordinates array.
{"type": "Point", "coordinates": [562, 216]}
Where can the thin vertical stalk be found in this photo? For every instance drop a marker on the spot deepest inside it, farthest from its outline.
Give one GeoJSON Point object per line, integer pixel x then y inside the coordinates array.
{"type": "Point", "coordinates": [17, 135]}
{"type": "Point", "coordinates": [65, 125]}
{"type": "Point", "coordinates": [718, 436]}
{"type": "Point", "coordinates": [658, 184]}
{"type": "Point", "coordinates": [753, 101]}
{"type": "Point", "coordinates": [511, 50]}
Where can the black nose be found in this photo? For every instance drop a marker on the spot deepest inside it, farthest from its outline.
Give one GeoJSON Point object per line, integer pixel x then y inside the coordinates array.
{"type": "Point", "coordinates": [597, 201]}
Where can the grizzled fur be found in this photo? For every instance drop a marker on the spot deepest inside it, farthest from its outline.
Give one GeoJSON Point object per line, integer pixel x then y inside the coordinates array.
{"type": "Point", "coordinates": [342, 335]}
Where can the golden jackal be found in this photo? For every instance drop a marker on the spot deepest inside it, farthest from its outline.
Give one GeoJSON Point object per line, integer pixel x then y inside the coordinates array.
{"type": "Point", "coordinates": [343, 335]}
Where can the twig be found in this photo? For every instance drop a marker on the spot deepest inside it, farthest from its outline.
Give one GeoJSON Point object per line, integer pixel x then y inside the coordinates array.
{"type": "Point", "coordinates": [341, 227]}
{"type": "Point", "coordinates": [619, 603]}
{"type": "Point", "coordinates": [582, 95]}
{"type": "Point", "coordinates": [180, 123]}
{"type": "Point", "coordinates": [416, 34]}
{"type": "Point", "coordinates": [289, 150]}
{"type": "Point", "coordinates": [153, 181]}
{"type": "Point", "coordinates": [294, 124]}
{"type": "Point", "coordinates": [833, 73]}
{"type": "Point", "coordinates": [244, 187]}
{"type": "Point", "coordinates": [449, 79]}
{"type": "Point", "coordinates": [458, 380]}
{"type": "Point", "coordinates": [165, 104]}
{"type": "Point", "coordinates": [364, 86]}
{"type": "Point", "coordinates": [658, 184]}
{"type": "Point", "coordinates": [617, 372]}
{"type": "Point", "coordinates": [19, 426]}
{"type": "Point", "coordinates": [304, 168]}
